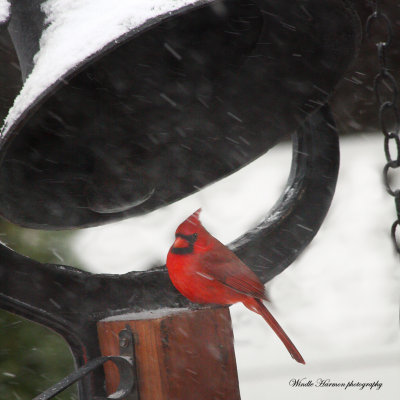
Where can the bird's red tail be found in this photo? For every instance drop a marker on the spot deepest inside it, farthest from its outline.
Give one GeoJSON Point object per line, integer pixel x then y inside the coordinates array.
{"type": "Point", "coordinates": [258, 306]}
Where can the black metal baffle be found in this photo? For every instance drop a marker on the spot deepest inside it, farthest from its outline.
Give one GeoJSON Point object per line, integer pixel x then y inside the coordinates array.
{"type": "Point", "coordinates": [172, 104]}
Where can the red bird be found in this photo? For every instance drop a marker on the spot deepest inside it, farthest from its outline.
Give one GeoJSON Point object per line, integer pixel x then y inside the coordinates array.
{"type": "Point", "coordinates": [206, 271]}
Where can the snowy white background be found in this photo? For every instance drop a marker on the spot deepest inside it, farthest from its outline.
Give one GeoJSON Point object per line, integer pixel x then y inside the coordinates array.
{"type": "Point", "coordinates": [339, 302]}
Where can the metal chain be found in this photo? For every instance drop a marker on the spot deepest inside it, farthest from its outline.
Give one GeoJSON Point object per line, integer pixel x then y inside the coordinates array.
{"type": "Point", "coordinates": [386, 92]}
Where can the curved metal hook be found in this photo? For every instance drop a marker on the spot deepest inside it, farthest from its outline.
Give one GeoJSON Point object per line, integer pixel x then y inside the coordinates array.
{"type": "Point", "coordinates": [273, 245]}
{"type": "Point", "coordinates": [268, 248]}
{"type": "Point", "coordinates": [71, 301]}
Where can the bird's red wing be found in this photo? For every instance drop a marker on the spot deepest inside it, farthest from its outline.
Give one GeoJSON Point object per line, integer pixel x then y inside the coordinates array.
{"type": "Point", "coordinates": [225, 267]}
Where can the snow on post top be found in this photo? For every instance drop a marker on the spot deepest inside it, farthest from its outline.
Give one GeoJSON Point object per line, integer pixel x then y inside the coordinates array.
{"type": "Point", "coordinates": [77, 29]}
{"type": "Point", "coordinates": [4, 11]}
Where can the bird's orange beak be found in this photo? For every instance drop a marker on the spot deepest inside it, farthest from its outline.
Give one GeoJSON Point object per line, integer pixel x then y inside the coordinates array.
{"type": "Point", "coordinates": [180, 243]}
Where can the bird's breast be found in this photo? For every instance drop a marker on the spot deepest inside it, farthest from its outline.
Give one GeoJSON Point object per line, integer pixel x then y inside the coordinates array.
{"type": "Point", "coordinates": [199, 286]}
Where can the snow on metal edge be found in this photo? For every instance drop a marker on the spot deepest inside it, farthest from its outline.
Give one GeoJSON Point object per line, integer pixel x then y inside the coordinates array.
{"type": "Point", "coordinates": [76, 30]}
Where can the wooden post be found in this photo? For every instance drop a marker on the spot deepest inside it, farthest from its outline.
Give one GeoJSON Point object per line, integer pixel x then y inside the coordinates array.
{"type": "Point", "coordinates": [180, 354]}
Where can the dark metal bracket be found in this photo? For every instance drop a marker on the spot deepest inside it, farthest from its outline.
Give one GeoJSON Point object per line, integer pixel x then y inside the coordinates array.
{"type": "Point", "coordinates": [127, 349]}
{"type": "Point", "coordinates": [125, 362]}
{"type": "Point", "coordinates": [125, 386]}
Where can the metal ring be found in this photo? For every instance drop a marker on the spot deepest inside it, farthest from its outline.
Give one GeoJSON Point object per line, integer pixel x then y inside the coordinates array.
{"type": "Point", "coordinates": [388, 27]}
{"type": "Point", "coordinates": [392, 137]}
{"type": "Point", "coordinates": [393, 235]}
{"type": "Point", "coordinates": [392, 192]}
{"type": "Point", "coordinates": [379, 81]}
{"type": "Point", "coordinates": [382, 117]}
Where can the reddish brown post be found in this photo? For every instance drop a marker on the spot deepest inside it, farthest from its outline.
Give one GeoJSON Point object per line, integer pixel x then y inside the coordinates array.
{"type": "Point", "coordinates": [180, 354]}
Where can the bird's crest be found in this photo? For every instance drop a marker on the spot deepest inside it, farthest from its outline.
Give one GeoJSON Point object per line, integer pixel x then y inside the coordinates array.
{"type": "Point", "coordinates": [195, 217]}
{"type": "Point", "coordinates": [191, 223]}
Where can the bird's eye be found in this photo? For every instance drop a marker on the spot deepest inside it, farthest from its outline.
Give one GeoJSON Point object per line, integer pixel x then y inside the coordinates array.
{"type": "Point", "coordinates": [195, 236]}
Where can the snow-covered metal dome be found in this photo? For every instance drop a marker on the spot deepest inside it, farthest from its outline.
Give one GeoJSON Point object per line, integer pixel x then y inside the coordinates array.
{"type": "Point", "coordinates": [130, 105]}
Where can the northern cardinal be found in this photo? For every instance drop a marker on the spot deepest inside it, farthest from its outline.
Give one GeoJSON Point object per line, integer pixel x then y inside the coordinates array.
{"type": "Point", "coordinates": [206, 271]}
